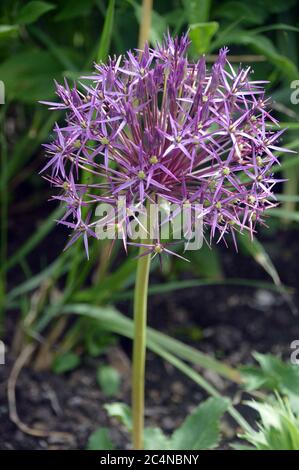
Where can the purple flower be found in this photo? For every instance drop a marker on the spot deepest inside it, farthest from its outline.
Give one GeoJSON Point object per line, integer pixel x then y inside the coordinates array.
{"type": "Point", "coordinates": [154, 125]}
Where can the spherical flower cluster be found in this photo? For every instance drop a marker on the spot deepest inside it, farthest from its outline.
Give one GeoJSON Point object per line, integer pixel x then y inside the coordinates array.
{"type": "Point", "coordinates": [154, 125]}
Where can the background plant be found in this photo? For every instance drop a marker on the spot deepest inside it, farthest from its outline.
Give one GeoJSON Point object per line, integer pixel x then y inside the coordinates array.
{"type": "Point", "coordinates": [277, 424]}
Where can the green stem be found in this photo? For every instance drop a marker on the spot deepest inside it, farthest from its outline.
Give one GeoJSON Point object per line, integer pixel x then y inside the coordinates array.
{"type": "Point", "coordinates": [139, 348]}
{"type": "Point", "coordinates": [140, 295]}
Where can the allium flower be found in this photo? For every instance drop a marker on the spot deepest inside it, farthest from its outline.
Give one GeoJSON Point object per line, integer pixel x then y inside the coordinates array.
{"type": "Point", "coordinates": [154, 125]}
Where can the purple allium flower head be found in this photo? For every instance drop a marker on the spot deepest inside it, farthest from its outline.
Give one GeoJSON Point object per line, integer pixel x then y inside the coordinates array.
{"type": "Point", "coordinates": [154, 125]}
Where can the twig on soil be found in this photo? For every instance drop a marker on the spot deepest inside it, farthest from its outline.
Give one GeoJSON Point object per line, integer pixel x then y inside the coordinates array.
{"type": "Point", "coordinates": [12, 403]}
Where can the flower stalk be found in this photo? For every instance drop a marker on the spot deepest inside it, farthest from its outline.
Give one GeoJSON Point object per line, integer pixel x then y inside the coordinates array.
{"type": "Point", "coordinates": [139, 347]}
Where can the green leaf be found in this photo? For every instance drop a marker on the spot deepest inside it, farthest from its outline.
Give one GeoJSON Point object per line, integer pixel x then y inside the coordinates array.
{"type": "Point", "coordinates": [275, 27]}
{"type": "Point", "coordinates": [30, 12]}
{"type": "Point", "coordinates": [200, 430]}
{"type": "Point", "coordinates": [106, 33]}
{"type": "Point", "coordinates": [28, 75]}
{"type": "Point", "coordinates": [96, 340]}
{"type": "Point", "coordinates": [155, 439]}
{"type": "Point", "coordinates": [261, 45]}
{"type": "Point", "coordinates": [284, 214]}
{"type": "Point", "coordinates": [232, 10]}
{"type": "Point", "coordinates": [241, 447]}
{"type": "Point", "coordinates": [277, 6]}
{"type": "Point", "coordinates": [118, 280]}
{"type": "Point", "coordinates": [272, 374]}
{"type": "Point", "coordinates": [197, 10]}
{"type": "Point", "coordinates": [176, 17]}
{"type": "Point", "coordinates": [206, 263]}
{"type": "Point", "coordinates": [286, 164]}
{"type": "Point", "coordinates": [278, 428]}
{"type": "Point", "coordinates": [75, 9]}
{"type": "Point", "coordinates": [201, 35]}
{"type": "Point", "coordinates": [287, 197]}
{"type": "Point", "coordinates": [188, 284]}
{"type": "Point", "coordinates": [260, 255]}
{"type": "Point", "coordinates": [113, 321]}
{"type": "Point", "coordinates": [109, 380]}
{"type": "Point", "coordinates": [254, 379]}
{"type": "Point", "coordinates": [120, 411]}
{"type": "Point", "coordinates": [100, 440]}
{"type": "Point", "coordinates": [59, 53]}
{"type": "Point", "coordinates": [58, 267]}
{"type": "Point", "coordinates": [39, 234]}
{"type": "Point", "coordinates": [65, 363]}
{"type": "Point", "coordinates": [286, 374]}
{"type": "Point", "coordinates": [27, 144]}
{"type": "Point", "coordinates": [163, 345]}
{"type": "Point", "coordinates": [8, 30]}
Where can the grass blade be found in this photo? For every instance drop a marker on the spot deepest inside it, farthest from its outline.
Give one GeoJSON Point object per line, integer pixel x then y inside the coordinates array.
{"type": "Point", "coordinates": [31, 243]}
{"type": "Point", "coordinates": [260, 255]}
{"type": "Point", "coordinates": [115, 322]}
{"type": "Point", "coordinates": [105, 40]}
{"type": "Point", "coordinates": [112, 319]}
